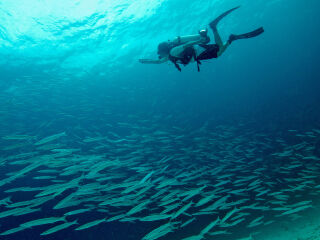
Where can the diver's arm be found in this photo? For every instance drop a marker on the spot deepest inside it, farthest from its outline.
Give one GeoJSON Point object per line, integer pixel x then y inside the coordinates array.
{"type": "Point", "coordinates": [151, 61]}
{"type": "Point", "coordinates": [190, 44]}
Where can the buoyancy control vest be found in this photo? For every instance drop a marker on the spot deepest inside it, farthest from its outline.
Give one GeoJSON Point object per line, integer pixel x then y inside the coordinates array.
{"type": "Point", "coordinates": [185, 58]}
{"type": "Point", "coordinates": [211, 51]}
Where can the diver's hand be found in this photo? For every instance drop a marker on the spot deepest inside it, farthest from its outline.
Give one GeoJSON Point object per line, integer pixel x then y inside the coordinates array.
{"type": "Point", "coordinates": [146, 60]}
{"type": "Point", "coordinates": [151, 61]}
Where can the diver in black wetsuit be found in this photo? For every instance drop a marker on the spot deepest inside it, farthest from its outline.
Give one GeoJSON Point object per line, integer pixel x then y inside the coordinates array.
{"type": "Point", "coordinates": [186, 49]}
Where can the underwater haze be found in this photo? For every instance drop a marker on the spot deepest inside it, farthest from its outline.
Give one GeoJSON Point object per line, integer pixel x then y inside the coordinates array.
{"type": "Point", "coordinates": [96, 145]}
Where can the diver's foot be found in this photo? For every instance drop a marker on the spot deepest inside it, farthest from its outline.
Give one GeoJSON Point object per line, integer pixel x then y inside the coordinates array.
{"type": "Point", "coordinates": [232, 37]}
{"type": "Point", "coordinates": [214, 23]}
{"type": "Point", "coordinates": [252, 34]}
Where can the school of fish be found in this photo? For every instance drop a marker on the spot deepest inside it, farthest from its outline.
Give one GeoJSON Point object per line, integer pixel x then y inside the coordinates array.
{"type": "Point", "coordinates": [209, 179]}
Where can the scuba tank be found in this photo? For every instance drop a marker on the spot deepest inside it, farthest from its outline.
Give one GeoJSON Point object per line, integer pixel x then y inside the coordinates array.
{"type": "Point", "coordinates": [192, 38]}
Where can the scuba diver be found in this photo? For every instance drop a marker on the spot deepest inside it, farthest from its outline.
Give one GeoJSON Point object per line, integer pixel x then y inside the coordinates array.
{"type": "Point", "coordinates": [194, 48]}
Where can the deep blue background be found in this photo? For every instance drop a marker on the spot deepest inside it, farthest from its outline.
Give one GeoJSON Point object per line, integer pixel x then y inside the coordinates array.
{"type": "Point", "coordinates": [84, 72]}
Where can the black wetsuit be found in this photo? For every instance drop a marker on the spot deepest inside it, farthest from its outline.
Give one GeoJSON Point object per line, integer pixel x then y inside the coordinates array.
{"type": "Point", "coordinates": [211, 51]}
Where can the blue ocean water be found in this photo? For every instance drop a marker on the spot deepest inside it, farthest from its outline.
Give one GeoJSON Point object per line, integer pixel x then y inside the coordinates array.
{"type": "Point", "coordinates": [72, 67]}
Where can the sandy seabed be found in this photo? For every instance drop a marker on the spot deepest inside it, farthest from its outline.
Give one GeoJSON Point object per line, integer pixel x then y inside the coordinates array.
{"type": "Point", "coordinates": [306, 227]}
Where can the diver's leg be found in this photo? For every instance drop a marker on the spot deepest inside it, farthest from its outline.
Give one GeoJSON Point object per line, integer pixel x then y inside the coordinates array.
{"type": "Point", "coordinates": [217, 37]}
{"type": "Point", "coordinates": [223, 48]}
{"type": "Point", "coordinates": [219, 42]}
{"type": "Point", "coordinates": [213, 26]}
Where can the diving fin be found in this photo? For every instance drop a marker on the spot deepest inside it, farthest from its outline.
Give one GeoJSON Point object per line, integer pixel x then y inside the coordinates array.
{"type": "Point", "coordinates": [252, 34]}
{"type": "Point", "coordinates": [214, 23]}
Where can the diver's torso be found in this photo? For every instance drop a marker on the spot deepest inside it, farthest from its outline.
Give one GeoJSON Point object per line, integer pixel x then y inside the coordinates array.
{"type": "Point", "coordinates": [189, 54]}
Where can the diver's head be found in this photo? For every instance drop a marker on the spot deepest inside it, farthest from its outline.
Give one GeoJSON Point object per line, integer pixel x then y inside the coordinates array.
{"type": "Point", "coordinates": [163, 49]}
